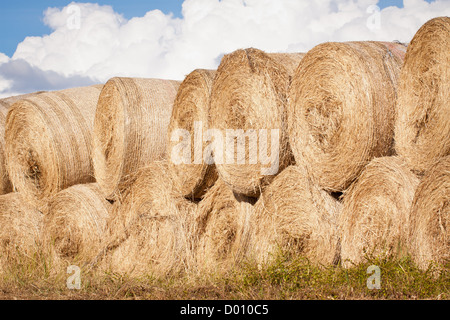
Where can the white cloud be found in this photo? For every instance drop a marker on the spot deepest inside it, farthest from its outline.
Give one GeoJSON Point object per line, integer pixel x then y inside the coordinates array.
{"type": "Point", "coordinates": [99, 43]}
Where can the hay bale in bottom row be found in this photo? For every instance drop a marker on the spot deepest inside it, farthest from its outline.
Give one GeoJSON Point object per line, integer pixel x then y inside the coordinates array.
{"type": "Point", "coordinates": [21, 227]}
{"type": "Point", "coordinates": [375, 219]}
{"type": "Point", "coordinates": [150, 229]}
{"type": "Point", "coordinates": [222, 221]}
{"type": "Point", "coordinates": [76, 222]}
{"type": "Point", "coordinates": [294, 215]}
{"type": "Point", "coordinates": [429, 231]}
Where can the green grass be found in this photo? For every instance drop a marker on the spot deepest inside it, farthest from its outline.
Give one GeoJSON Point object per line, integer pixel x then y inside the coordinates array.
{"type": "Point", "coordinates": [285, 278]}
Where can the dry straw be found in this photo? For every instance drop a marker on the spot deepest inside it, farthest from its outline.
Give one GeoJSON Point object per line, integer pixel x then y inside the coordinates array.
{"type": "Point", "coordinates": [222, 221]}
{"type": "Point", "coordinates": [422, 131]}
{"type": "Point", "coordinates": [5, 105]}
{"type": "Point", "coordinates": [430, 217]}
{"type": "Point", "coordinates": [48, 142]}
{"type": "Point", "coordinates": [294, 216]}
{"type": "Point", "coordinates": [76, 222]}
{"type": "Point", "coordinates": [190, 113]}
{"type": "Point", "coordinates": [130, 129]}
{"type": "Point", "coordinates": [374, 222]}
{"type": "Point", "coordinates": [21, 228]}
{"type": "Point", "coordinates": [151, 230]}
{"type": "Point", "coordinates": [342, 108]}
{"type": "Point", "coordinates": [250, 93]}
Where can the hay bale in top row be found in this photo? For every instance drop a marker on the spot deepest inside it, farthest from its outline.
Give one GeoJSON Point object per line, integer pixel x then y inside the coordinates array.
{"type": "Point", "coordinates": [375, 219]}
{"type": "Point", "coordinates": [130, 129]}
{"type": "Point", "coordinates": [250, 92]}
{"type": "Point", "coordinates": [5, 105]}
{"type": "Point", "coordinates": [48, 142]}
{"type": "Point", "coordinates": [422, 131]}
{"type": "Point", "coordinates": [342, 108]}
{"type": "Point", "coordinates": [190, 113]}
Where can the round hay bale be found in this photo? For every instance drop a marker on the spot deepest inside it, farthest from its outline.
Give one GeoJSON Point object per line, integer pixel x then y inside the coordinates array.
{"type": "Point", "coordinates": [5, 105]}
{"type": "Point", "coordinates": [374, 222]}
{"type": "Point", "coordinates": [250, 94]}
{"type": "Point", "coordinates": [76, 221]}
{"type": "Point", "coordinates": [222, 221]}
{"type": "Point", "coordinates": [150, 230]}
{"type": "Point", "coordinates": [130, 129]}
{"type": "Point", "coordinates": [190, 113]}
{"type": "Point", "coordinates": [48, 142]}
{"type": "Point", "coordinates": [422, 130]}
{"type": "Point", "coordinates": [342, 108]}
{"type": "Point", "coordinates": [429, 234]}
{"type": "Point", "coordinates": [21, 228]}
{"type": "Point", "coordinates": [294, 215]}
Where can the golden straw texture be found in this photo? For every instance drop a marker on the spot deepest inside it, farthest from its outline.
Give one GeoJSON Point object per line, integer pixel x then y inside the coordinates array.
{"type": "Point", "coordinates": [422, 131]}
{"type": "Point", "coordinates": [21, 228]}
{"type": "Point", "coordinates": [76, 221]}
{"type": "Point", "coordinates": [151, 230]}
{"type": "Point", "coordinates": [429, 232]}
{"type": "Point", "coordinates": [48, 142]}
{"type": "Point", "coordinates": [374, 222]}
{"type": "Point", "coordinates": [130, 129]}
{"type": "Point", "coordinates": [190, 113]}
{"type": "Point", "coordinates": [222, 220]}
{"type": "Point", "coordinates": [294, 215]}
{"type": "Point", "coordinates": [5, 105]}
{"type": "Point", "coordinates": [342, 108]}
{"type": "Point", "coordinates": [250, 94]}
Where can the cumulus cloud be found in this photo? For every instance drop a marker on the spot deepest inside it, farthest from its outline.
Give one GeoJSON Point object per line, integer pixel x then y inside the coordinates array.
{"type": "Point", "coordinates": [92, 43]}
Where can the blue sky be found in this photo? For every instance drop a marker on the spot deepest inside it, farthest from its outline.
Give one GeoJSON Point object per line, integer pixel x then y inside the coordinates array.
{"type": "Point", "coordinates": [22, 18]}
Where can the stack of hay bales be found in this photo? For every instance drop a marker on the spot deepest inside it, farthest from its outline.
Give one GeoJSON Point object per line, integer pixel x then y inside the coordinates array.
{"type": "Point", "coordinates": [136, 176]}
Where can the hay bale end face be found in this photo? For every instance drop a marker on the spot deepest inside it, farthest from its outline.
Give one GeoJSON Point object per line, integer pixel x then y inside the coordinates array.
{"type": "Point", "coordinates": [294, 215]}
{"type": "Point", "coordinates": [76, 221]}
{"type": "Point", "coordinates": [374, 222]}
{"type": "Point", "coordinates": [190, 113]}
{"type": "Point", "coordinates": [249, 94]}
{"type": "Point", "coordinates": [5, 105]}
{"type": "Point", "coordinates": [21, 228]}
{"type": "Point", "coordinates": [342, 108]}
{"type": "Point", "coordinates": [130, 129]}
{"type": "Point", "coordinates": [48, 142]}
{"type": "Point", "coordinates": [222, 222]}
{"type": "Point", "coordinates": [429, 232]}
{"type": "Point", "coordinates": [422, 131]}
{"type": "Point", "coordinates": [150, 231]}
